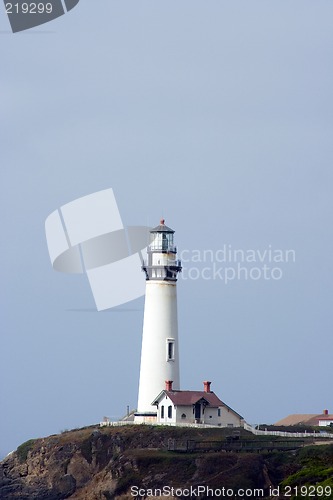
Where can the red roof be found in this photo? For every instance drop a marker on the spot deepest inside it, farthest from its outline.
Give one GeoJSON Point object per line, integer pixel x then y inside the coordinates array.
{"type": "Point", "coordinates": [187, 398]}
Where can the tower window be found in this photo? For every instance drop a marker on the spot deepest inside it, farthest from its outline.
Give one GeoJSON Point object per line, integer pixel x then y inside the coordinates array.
{"type": "Point", "coordinates": [170, 349]}
{"type": "Point", "coordinates": [164, 242]}
{"type": "Point", "coordinates": [219, 412]}
{"type": "Point", "coordinates": [170, 411]}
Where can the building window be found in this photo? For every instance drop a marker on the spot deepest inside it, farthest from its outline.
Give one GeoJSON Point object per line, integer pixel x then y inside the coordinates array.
{"type": "Point", "coordinates": [162, 411]}
{"type": "Point", "coordinates": [170, 349]}
{"type": "Point", "coordinates": [219, 412]}
{"type": "Point", "coordinates": [183, 415]}
{"type": "Point", "coordinates": [170, 411]}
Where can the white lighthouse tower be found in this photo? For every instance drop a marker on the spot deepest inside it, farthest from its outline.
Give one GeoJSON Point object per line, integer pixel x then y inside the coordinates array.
{"type": "Point", "coordinates": [160, 351]}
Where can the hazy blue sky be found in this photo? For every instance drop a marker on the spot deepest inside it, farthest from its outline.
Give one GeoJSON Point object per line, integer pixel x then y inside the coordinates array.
{"type": "Point", "coordinates": [216, 115]}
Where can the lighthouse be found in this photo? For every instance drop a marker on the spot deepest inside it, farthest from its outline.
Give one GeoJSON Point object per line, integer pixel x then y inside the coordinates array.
{"type": "Point", "coordinates": [160, 349]}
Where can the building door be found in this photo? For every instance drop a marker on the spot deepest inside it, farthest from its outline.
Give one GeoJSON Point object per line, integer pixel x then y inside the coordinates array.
{"type": "Point", "coordinates": [197, 411]}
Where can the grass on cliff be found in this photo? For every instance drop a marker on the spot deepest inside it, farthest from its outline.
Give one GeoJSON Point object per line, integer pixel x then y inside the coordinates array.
{"type": "Point", "coordinates": [315, 468]}
{"type": "Point", "coordinates": [23, 450]}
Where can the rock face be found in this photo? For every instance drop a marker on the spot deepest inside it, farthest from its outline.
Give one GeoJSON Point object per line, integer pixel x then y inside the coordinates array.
{"type": "Point", "coordinates": [114, 463]}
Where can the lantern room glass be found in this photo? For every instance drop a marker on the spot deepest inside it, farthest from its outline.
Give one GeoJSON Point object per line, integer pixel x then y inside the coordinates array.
{"type": "Point", "coordinates": [162, 242]}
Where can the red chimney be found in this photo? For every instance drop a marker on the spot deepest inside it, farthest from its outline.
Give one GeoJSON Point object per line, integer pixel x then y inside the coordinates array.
{"type": "Point", "coordinates": [325, 412]}
{"type": "Point", "coordinates": [168, 385]}
{"type": "Point", "coordinates": [207, 386]}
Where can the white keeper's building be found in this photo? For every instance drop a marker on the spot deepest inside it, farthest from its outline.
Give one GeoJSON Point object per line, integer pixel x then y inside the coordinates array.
{"type": "Point", "coordinates": [194, 407]}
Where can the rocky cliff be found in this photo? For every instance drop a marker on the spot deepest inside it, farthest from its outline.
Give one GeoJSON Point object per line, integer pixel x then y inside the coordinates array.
{"type": "Point", "coordinates": [134, 461]}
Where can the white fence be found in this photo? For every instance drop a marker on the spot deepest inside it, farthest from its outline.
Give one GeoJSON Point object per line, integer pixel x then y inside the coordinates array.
{"type": "Point", "coordinates": [257, 432]}
{"type": "Point", "coordinates": [246, 426]}
{"type": "Point", "coordinates": [170, 424]}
